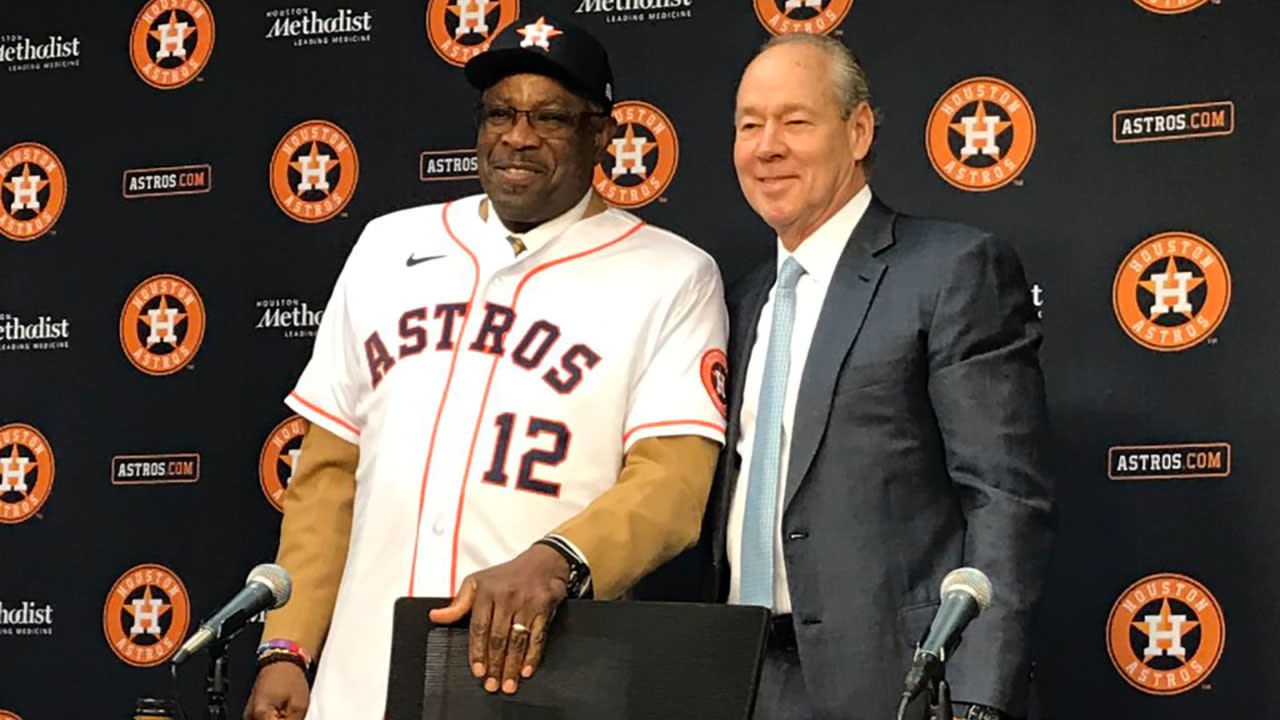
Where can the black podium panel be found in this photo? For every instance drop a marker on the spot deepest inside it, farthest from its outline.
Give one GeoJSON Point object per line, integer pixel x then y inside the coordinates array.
{"type": "Point", "coordinates": [604, 661]}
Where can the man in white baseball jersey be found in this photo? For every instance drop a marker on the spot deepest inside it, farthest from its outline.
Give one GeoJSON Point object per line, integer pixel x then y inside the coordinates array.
{"type": "Point", "coordinates": [514, 397]}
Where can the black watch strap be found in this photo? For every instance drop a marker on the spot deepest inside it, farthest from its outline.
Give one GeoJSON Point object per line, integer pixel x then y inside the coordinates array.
{"type": "Point", "coordinates": [579, 584]}
{"type": "Point", "coordinates": [978, 712]}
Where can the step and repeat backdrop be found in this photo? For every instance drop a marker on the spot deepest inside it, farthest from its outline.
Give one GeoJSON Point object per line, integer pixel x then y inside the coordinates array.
{"type": "Point", "coordinates": [181, 180]}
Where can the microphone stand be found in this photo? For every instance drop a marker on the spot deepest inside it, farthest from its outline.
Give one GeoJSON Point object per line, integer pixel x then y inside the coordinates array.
{"type": "Point", "coordinates": [939, 706]}
{"type": "Point", "coordinates": [217, 683]}
{"type": "Point", "coordinates": [940, 699]}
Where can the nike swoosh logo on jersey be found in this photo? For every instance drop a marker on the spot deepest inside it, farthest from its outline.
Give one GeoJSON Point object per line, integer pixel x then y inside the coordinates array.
{"type": "Point", "coordinates": [415, 260]}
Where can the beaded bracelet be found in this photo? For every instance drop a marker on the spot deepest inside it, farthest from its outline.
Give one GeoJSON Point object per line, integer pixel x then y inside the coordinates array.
{"type": "Point", "coordinates": [283, 651]}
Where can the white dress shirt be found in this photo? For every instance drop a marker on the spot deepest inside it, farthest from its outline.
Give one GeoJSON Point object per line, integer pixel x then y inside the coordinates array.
{"type": "Point", "coordinates": [818, 255]}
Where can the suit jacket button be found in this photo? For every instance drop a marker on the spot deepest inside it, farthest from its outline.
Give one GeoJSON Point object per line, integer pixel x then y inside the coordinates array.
{"type": "Point", "coordinates": [799, 535]}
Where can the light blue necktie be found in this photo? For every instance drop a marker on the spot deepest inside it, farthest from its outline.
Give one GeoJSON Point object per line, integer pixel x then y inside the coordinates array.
{"type": "Point", "coordinates": [764, 477]}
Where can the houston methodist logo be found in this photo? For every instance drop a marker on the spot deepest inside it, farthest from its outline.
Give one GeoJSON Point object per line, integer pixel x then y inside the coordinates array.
{"type": "Point", "coordinates": [26, 472]}
{"type": "Point", "coordinates": [811, 16]}
{"type": "Point", "coordinates": [980, 134]}
{"type": "Point", "coordinates": [458, 30]}
{"type": "Point", "coordinates": [279, 459]}
{"type": "Point", "coordinates": [146, 615]}
{"type": "Point", "coordinates": [1170, 7]}
{"type": "Point", "coordinates": [162, 324]}
{"type": "Point", "coordinates": [1165, 634]}
{"type": "Point", "coordinates": [171, 42]}
{"type": "Point", "coordinates": [642, 158]}
{"type": "Point", "coordinates": [314, 171]}
{"type": "Point", "coordinates": [1171, 291]}
{"type": "Point", "coordinates": [33, 191]}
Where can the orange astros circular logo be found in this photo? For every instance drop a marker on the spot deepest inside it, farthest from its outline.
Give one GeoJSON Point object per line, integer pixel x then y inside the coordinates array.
{"type": "Point", "coordinates": [458, 30]}
{"type": "Point", "coordinates": [715, 378]}
{"type": "Point", "coordinates": [1170, 7]}
{"type": "Point", "coordinates": [314, 171]}
{"type": "Point", "coordinates": [1171, 291]}
{"type": "Point", "coordinates": [26, 472]}
{"type": "Point", "coordinates": [980, 134]}
{"type": "Point", "coordinates": [162, 325]}
{"type": "Point", "coordinates": [146, 616]}
{"type": "Point", "coordinates": [641, 160]}
{"type": "Point", "coordinates": [279, 459]}
{"type": "Point", "coordinates": [811, 16]}
{"type": "Point", "coordinates": [171, 42]}
{"type": "Point", "coordinates": [1165, 634]}
{"type": "Point", "coordinates": [33, 191]}
{"type": "Point", "coordinates": [8, 715]}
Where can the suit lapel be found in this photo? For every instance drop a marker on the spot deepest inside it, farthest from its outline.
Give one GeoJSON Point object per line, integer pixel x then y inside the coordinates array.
{"type": "Point", "coordinates": [744, 324]}
{"type": "Point", "coordinates": [854, 283]}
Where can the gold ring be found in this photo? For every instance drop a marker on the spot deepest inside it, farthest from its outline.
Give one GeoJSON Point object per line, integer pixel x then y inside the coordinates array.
{"type": "Point", "coordinates": [517, 627]}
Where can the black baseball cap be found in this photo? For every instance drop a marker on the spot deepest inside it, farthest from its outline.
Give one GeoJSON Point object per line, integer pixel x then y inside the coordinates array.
{"type": "Point", "coordinates": [546, 46]}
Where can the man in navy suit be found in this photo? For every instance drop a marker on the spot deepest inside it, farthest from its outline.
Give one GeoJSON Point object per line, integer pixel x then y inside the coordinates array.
{"type": "Point", "coordinates": [886, 416]}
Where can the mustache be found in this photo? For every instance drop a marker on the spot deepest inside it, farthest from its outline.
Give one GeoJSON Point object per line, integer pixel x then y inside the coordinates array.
{"type": "Point", "coordinates": [517, 163]}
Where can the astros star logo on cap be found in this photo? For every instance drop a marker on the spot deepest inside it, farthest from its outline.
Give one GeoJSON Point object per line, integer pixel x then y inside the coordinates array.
{"type": "Point", "coordinates": [538, 33]}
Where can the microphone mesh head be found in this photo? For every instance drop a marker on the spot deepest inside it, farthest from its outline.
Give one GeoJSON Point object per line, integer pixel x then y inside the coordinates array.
{"type": "Point", "coordinates": [970, 581]}
{"type": "Point", "coordinates": [276, 579]}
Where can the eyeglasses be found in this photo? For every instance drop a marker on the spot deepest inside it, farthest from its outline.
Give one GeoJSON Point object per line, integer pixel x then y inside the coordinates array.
{"type": "Point", "coordinates": [546, 122]}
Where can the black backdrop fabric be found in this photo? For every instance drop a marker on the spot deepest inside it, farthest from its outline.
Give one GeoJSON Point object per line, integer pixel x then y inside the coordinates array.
{"type": "Point", "coordinates": [151, 320]}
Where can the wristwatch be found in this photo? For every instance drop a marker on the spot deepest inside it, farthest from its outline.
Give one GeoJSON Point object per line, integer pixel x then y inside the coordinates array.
{"type": "Point", "coordinates": [579, 582]}
{"type": "Point", "coordinates": [977, 712]}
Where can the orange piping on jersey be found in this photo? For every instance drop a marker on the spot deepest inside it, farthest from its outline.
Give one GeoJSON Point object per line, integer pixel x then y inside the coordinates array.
{"type": "Point", "coordinates": [703, 423]}
{"type": "Point", "coordinates": [475, 434]}
{"type": "Point", "coordinates": [567, 258]}
{"type": "Point", "coordinates": [321, 411]}
{"type": "Point", "coordinates": [444, 396]}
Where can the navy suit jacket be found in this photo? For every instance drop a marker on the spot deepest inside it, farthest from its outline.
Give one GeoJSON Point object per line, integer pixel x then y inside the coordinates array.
{"type": "Point", "coordinates": [918, 447]}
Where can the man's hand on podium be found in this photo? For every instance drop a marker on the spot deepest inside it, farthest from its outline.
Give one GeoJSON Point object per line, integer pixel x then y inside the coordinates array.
{"type": "Point", "coordinates": [511, 606]}
{"type": "Point", "coordinates": [279, 693]}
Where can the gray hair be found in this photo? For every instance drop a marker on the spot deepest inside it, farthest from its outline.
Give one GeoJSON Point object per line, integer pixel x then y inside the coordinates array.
{"type": "Point", "coordinates": [848, 80]}
{"type": "Point", "coordinates": [849, 83]}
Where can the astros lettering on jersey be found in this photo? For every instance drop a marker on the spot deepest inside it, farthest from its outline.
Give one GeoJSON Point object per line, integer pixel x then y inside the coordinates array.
{"type": "Point", "coordinates": [492, 398]}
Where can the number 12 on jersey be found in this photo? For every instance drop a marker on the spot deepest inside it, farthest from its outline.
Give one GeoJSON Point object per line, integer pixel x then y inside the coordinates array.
{"type": "Point", "coordinates": [497, 473]}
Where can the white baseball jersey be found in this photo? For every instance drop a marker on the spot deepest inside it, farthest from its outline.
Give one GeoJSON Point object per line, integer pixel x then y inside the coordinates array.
{"type": "Point", "coordinates": [493, 398]}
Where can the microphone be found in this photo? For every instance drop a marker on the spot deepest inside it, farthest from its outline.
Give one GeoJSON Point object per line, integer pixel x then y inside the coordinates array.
{"type": "Point", "coordinates": [267, 588]}
{"type": "Point", "coordinates": [966, 592]}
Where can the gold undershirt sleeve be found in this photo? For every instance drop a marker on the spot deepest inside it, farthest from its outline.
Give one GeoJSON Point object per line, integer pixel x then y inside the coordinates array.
{"type": "Point", "coordinates": [314, 535]}
{"type": "Point", "coordinates": [653, 513]}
